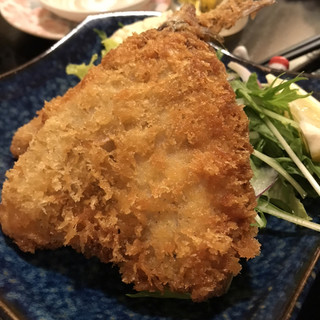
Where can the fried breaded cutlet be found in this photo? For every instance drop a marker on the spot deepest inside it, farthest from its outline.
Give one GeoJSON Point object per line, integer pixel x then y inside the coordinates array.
{"type": "Point", "coordinates": [144, 164]}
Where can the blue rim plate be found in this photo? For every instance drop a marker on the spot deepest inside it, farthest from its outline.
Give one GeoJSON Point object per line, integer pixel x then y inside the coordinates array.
{"type": "Point", "coordinates": [62, 284]}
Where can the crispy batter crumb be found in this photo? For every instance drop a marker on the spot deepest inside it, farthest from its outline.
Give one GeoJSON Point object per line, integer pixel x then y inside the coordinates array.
{"type": "Point", "coordinates": [145, 164]}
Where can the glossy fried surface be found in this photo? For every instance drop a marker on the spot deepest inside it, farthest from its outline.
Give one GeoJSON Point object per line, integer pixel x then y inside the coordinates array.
{"type": "Point", "coordinates": [145, 164]}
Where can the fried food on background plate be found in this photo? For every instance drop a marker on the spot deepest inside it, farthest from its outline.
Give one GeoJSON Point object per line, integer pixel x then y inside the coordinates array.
{"type": "Point", "coordinates": [228, 12]}
{"type": "Point", "coordinates": [144, 164]}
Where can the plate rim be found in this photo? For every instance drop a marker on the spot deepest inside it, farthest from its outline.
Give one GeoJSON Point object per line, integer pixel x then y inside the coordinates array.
{"type": "Point", "coordinates": [288, 312]}
{"type": "Point", "coordinates": [70, 34]}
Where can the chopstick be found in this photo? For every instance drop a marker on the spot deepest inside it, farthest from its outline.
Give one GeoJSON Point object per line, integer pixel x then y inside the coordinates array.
{"type": "Point", "coordinates": [298, 49]}
{"type": "Point", "coordinates": [304, 60]}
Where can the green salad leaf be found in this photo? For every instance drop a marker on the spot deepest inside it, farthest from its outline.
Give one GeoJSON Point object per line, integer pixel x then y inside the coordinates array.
{"type": "Point", "coordinates": [278, 144]}
{"type": "Point", "coordinates": [107, 43]}
{"type": "Point", "coordinates": [80, 70]}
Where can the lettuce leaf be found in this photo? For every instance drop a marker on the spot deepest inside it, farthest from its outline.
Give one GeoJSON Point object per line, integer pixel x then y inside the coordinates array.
{"type": "Point", "coordinates": [80, 70]}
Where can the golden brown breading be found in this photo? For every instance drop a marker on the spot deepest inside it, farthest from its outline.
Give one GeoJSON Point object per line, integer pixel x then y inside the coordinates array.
{"type": "Point", "coordinates": [145, 164]}
{"type": "Point", "coordinates": [205, 26]}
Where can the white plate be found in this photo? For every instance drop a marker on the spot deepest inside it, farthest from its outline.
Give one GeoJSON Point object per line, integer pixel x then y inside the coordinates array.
{"type": "Point", "coordinates": [78, 10]}
{"type": "Point", "coordinates": [29, 16]}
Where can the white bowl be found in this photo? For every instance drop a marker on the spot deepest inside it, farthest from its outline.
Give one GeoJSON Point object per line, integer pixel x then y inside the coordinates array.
{"type": "Point", "coordinates": [78, 10]}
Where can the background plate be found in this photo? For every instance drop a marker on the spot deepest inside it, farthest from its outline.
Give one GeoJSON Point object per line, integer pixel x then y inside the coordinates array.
{"type": "Point", "coordinates": [31, 17]}
{"type": "Point", "coordinates": [62, 284]}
